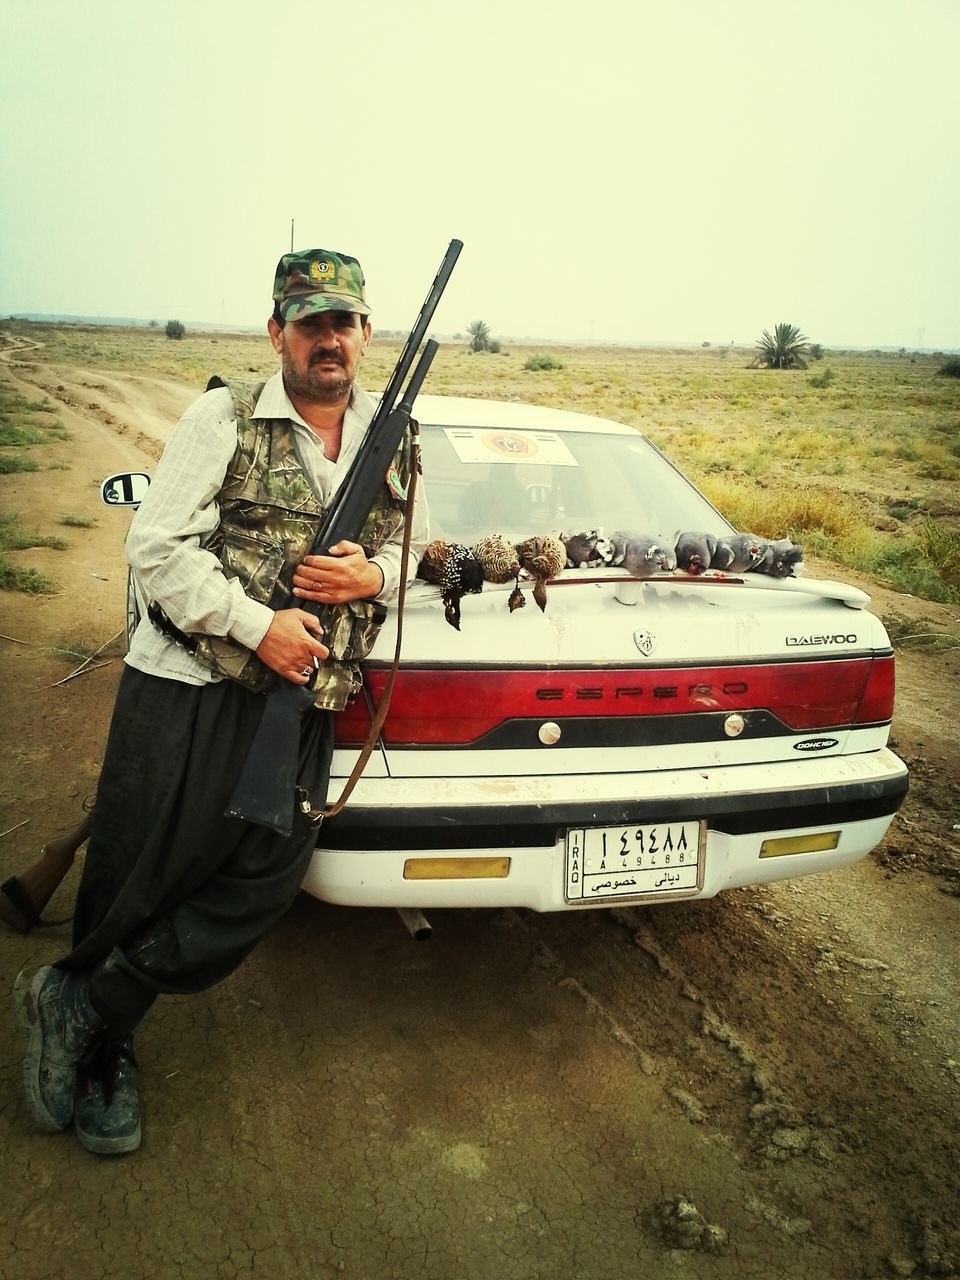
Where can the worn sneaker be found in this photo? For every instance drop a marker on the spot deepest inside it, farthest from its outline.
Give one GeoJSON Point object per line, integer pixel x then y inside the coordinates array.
{"type": "Point", "coordinates": [107, 1108]}
{"type": "Point", "coordinates": [53, 1009]}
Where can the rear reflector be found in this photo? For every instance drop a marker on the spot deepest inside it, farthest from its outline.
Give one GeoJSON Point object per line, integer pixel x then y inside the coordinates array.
{"type": "Point", "coordinates": [818, 843]}
{"type": "Point", "coordinates": [453, 707]}
{"type": "Point", "coordinates": [456, 868]}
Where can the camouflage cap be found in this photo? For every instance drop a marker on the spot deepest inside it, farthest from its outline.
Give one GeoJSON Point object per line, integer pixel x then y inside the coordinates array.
{"type": "Point", "coordinates": [318, 280]}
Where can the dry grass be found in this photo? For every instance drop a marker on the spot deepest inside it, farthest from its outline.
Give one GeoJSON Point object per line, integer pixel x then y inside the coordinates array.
{"type": "Point", "coordinates": [783, 510]}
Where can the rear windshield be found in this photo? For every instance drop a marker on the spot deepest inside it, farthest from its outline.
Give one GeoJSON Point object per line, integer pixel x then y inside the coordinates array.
{"type": "Point", "coordinates": [483, 480]}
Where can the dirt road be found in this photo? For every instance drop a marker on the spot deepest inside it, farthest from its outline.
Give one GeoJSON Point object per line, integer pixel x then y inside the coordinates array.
{"type": "Point", "coordinates": [763, 1085]}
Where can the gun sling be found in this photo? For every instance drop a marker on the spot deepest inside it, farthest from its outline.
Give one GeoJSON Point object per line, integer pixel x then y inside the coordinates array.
{"type": "Point", "coordinates": [317, 816]}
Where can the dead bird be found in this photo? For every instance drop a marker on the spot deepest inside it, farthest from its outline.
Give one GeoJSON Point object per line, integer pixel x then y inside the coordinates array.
{"type": "Point", "coordinates": [642, 556]}
{"type": "Point", "coordinates": [498, 558]}
{"type": "Point", "coordinates": [434, 557]}
{"type": "Point", "coordinates": [781, 559]}
{"type": "Point", "coordinates": [723, 555]}
{"type": "Point", "coordinates": [747, 551]}
{"type": "Point", "coordinates": [543, 559]}
{"type": "Point", "coordinates": [695, 552]}
{"type": "Point", "coordinates": [587, 548]}
{"type": "Point", "coordinates": [455, 570]}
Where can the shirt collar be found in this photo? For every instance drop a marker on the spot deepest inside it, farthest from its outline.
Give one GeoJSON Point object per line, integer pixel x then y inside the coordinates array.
{"type": "Point", "coordinates": [273, 402]}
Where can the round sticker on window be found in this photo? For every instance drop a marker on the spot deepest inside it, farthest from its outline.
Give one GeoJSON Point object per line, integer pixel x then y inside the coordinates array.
{"type": "Point", "coordinates": [509, 445]}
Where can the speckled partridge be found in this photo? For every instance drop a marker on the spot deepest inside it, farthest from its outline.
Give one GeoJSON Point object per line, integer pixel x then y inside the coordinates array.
{"type": "Point", "coordinates": [543, 559]}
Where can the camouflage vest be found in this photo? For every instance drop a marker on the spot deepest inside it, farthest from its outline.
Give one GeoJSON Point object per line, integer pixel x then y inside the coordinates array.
{"type": "Point", "coordinates": [269, 519]}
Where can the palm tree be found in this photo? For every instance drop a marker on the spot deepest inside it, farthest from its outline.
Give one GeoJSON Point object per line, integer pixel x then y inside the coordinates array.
{"type": "Point", "coordinates": [479, 335]}
{"type": "Point", "coordinates": [784, 350]}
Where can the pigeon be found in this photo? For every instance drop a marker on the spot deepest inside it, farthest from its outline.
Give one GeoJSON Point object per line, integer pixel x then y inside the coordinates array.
{"type": "Point", "coordinates": [543, 559]}
{"type": "Point", "coordinates": [588, 548]}
{"type": "Point", "coordinates": [723, 556]}
{"type": "Point", "coordinates": [455, 570]}
{"type": "Point", "coordinates": [747, 552]}
{"type": "Point", "coordinates": [642, 557]}
{"type": "Point", "coordinates": [695, 551]}
{"type": "Point", "coordinates": [781, 559]}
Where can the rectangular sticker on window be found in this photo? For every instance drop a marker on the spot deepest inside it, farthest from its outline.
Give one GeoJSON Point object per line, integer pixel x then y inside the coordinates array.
{"type": "Point", "coordinates": [491, 444]}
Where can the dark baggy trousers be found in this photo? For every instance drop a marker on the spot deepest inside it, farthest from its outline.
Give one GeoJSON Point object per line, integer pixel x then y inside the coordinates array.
{"type": "Point", "coordinates": [174, 894]}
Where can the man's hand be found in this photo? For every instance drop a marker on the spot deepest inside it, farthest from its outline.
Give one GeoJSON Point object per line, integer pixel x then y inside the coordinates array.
{"type": "Point", "coordinates": [291, 644]}
{"type": "Point", "coordinates": [344, 574]}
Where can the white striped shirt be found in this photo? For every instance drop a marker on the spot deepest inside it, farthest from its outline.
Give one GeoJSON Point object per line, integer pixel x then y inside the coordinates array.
{"type": "Point", "coordinates": [169, 535]}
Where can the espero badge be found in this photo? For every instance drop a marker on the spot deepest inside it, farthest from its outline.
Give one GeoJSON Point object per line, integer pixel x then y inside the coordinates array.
{"type": "Point", "coordinates": [645, 641]}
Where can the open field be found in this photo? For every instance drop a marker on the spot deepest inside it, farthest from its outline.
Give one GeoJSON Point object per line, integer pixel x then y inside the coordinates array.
{"type": "Point", "coordinates": [525, 1096]}
{"type": "Point", "coordinates": [863, 470]}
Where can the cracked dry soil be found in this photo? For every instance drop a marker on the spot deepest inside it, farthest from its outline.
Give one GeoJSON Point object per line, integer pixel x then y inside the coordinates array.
{"type": "Point", "coordinates": [763, 1085]}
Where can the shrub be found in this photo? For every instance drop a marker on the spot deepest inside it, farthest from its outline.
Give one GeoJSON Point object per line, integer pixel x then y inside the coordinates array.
{"type": "Point", "coordinates": [822, 380]}
{"type": "Point", "coordinates": [538, 362]}
{"type": "Point", "coordinates": [11, 462]}
{"type": "Point", "coordinates": [14, 537]}
{"type": "Point", "coordinates": [175, 329]}
{"type": "Point", "coordinates": [950, 368]}
{"type": "Point", "coordinates": [941, 546]}
{"type": "Point", "coordinates": [13, 578]}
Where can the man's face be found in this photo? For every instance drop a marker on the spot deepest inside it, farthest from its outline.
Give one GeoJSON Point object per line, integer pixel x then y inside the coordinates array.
{"type": "Point", "coordinates": [320, 354]}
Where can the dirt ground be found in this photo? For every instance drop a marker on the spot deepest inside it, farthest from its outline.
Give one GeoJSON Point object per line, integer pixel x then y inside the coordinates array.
{"type": "Point", "coordinates": [763, 1085]}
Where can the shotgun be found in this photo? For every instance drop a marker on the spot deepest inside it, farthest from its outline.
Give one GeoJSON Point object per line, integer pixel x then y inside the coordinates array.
{"type": "Point", "coordinates": [265, 791]}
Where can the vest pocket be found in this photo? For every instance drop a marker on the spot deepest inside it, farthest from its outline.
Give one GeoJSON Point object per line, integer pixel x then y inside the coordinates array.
{"type": "Point", "coordinates": [349, 630]}
{"type": "Point", "coordinates": [256, 561]}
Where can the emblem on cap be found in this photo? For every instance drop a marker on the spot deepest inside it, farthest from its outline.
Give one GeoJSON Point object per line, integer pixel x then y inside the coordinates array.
{"type": "Point", "coordinates": [323, 270]}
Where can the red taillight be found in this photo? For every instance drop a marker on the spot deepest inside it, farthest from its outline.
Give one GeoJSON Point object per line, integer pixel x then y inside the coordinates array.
{"type": "Point", "coordinates": [351, 726]}
{"type": "Point", "coordinates": [876, 705]}
{"type": "Point", "coordinates": [444, 706]}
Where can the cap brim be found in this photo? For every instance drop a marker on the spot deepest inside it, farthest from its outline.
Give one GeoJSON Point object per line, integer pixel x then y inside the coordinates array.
{"type": "Point", "coordinates": [311, 304]}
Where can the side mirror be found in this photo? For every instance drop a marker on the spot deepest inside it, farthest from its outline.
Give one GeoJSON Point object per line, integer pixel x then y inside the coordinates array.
{"type": "Point", "coordinates": [128, 489]}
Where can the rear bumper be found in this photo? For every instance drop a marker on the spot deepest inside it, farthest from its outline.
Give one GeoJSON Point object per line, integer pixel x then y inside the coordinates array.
{"type": "Point", "coordinates": [360, 856]}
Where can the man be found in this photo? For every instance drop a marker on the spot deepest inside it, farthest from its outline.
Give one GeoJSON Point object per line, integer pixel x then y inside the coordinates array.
{"type": "Point", "coordinates": [174, 894]}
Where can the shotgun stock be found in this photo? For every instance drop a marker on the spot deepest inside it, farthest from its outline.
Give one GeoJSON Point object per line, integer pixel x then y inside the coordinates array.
{"type": "Point", "coordinates": [265, 791]}
{"type": "Point", "coordinates": [23, 897]}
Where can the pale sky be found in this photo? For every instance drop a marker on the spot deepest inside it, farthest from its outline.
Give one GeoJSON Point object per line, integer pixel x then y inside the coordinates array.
{"type": "Point", "coordinates": [637, 171]}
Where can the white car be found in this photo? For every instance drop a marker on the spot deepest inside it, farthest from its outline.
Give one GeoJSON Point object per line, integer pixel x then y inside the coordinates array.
{"type": "Point", "coordinates": [633, 742]}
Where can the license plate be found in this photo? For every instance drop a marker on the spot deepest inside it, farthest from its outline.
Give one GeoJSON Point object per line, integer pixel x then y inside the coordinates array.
{"type": "Point", "coordinates": [662, 859]}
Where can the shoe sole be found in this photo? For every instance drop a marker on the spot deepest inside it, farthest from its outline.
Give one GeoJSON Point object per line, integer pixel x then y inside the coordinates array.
{"type": "Point", "coordinates": [26, 991]}
{"type": "Point", "coordinates": [101, 1146]}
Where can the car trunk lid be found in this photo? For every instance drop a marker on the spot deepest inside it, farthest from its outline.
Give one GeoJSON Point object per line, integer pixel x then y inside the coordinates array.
{"type": "Point", "coordinates": [617, 675]}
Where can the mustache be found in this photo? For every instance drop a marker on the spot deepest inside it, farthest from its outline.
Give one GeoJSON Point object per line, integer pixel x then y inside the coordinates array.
{"type": "Point", "coordinates": [326, 357]}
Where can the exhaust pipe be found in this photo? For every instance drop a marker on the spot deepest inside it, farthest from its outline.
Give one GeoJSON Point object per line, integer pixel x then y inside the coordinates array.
{"type": "Point", "coordinates": [418, 924]}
